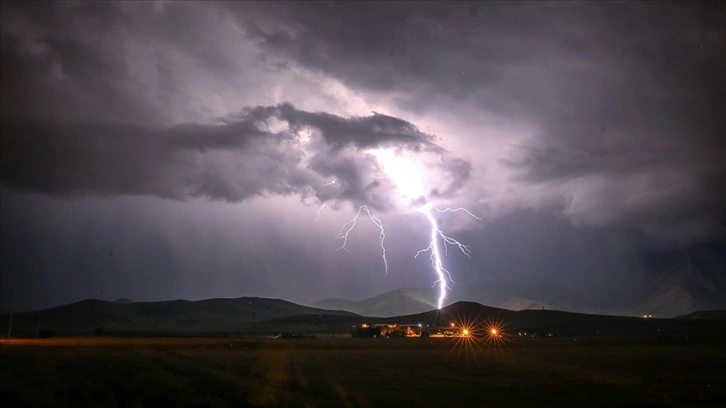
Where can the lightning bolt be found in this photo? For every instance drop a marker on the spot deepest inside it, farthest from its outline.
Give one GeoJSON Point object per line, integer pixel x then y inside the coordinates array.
{"type": "Point", "coordinates": [437, 239]}
{"type": "Point", "coordinates": [409, 178]}
{"type": "Point", "coordinates": [317, 217]}
{"type": "Point", "coordinates": [447, 209]}
{"type": "Point", "coordinates": [329, 183]}
{"type": "Point", "coordinates": [346, 228]}
{"type": "Point", "coordinates": [434, 249]}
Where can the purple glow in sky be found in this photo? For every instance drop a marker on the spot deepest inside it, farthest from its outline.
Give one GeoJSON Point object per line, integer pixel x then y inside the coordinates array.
{"type": "Point", "coordinates": [161, 150]}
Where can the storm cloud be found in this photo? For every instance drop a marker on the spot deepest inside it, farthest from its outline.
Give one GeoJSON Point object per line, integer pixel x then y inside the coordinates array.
{"type": "Point", "coordinates": [588, 137]}
{"type": "Point", "coordinates": [273, 150]}
{"type": "Point", "coordinates": [623, 101]}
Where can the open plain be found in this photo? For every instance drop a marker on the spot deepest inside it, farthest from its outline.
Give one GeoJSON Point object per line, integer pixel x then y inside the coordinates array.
{"type": "Point", "coordinates": [350, 372]}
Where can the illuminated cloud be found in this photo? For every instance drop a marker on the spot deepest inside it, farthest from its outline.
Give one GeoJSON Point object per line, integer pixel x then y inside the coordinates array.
{"type": "Point", "coordinates": [264, 150]}
{"type": "Point", "coordinates": [199, 138]}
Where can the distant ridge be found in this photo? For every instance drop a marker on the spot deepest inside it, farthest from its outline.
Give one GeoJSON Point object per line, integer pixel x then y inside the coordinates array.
{"type": "Point", "coordinates": [706, 315]}
{"type": "Point", "coordinates": [681, 283]}
{"type": "Point", "coordinates": [173, 316]}
{"type": "Point", "coordinates": [498, 294]}
{"type": "Point", "coordinates": [262, 316]}
{"type": "Point", "coordinates": [558, 323]}
{"type": "Point", "coordinates": [691, 282]}
{"type": "Point", "coordinates": [394, 303]}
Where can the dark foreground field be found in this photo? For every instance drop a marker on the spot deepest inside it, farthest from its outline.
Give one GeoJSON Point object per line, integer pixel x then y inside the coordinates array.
{"type": "Point", "coordinates": [128, 372]}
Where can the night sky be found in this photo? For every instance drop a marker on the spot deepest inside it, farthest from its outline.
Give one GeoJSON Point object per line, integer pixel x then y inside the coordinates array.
{"type": "Point", "coordinates": [164, 150]}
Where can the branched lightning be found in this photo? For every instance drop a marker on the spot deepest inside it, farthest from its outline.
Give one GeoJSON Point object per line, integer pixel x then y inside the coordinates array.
{"type": "Point", "coordinates": [317, 217]}
{"type": "Point", "coordinates": [434, 249]}
{"type": "Point", "coordinates": [408, 176]}
{"type": "Point", "coordinates": [346, 228]}
{"type": "Point", "coordinates": [447, 209]}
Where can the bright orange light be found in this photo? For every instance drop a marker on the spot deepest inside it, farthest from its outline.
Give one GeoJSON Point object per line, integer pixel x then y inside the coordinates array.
{"type": "Point", "coordinates": [493, 331]}
{"type": "Point", "coordinates": [465, 332]}
{"type": "Point", "coordinates": [452, 324]}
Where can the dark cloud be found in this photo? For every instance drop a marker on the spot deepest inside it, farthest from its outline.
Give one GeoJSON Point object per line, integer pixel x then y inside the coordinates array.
{"type": "Point", "coordinates": [84, 116]}
{"type": "Point", "coordinates": [53, 66]}
{"type": "Point", "coordinates": [624, 99]}
{"type": "Point", "coordinates": [550, 116]}
{"type": "Point", "coordinates": [373, 131]}
{"type": "Point", "coordinates": [276, 150]}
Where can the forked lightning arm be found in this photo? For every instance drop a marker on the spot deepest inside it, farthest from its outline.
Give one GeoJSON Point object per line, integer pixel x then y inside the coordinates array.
{"type": "Point", "coordinates": [344, 232]}
{"type": "Point", "coordinates": [407, 176]}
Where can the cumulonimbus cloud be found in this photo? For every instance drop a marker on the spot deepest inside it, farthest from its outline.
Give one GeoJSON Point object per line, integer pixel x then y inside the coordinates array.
{"type": "Point", "coordinates": [263, 150]}
{"type": "Point", "coordinates": [624, 117]}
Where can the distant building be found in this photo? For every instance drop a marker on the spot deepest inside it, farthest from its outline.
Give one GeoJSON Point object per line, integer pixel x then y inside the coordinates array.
{"type": "Point", "coordinates": [408, 330]}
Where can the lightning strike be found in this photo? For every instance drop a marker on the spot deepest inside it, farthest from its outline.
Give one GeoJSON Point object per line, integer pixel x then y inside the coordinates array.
{"type": "Point", "coordinates": [346, 228]}
{"type": "Point", "coordinates": [447, 209]}
{"type": "Point", "coordinates": [329, 183]}
{"type": "Point", "coordinates": [317, 217]}
{"type": "Point", "coordinates": [435, 252]}
{"type": "Point", "coordinates": [408, 176]}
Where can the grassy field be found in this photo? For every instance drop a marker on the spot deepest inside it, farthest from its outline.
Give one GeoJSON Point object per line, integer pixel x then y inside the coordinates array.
{"type": "Point", "coordinates": [126, 372]}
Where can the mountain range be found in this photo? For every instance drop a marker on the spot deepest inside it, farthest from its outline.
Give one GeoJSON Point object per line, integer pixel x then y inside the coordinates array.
{"type": "Point", "coordinates": [690, 285]}
{"type": "Point", "coordinates": [261, 316]}
{"type": "Point", "coordinates": [174, 316]}
{"type": "Point", "coordinates": [693, 281]}
{"type": "Point", "coordinates": [688, 282]}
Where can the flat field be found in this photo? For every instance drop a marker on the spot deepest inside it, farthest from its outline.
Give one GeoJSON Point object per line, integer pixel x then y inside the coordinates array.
{"type": "Point", "coordinates": [349, 372]}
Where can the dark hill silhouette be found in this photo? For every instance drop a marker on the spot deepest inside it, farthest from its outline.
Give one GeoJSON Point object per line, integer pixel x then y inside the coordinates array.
{"type": "Point", "coordinates": [559, 323]}
{"type": "Point", "coordinates": [689, 282]}
{"type": "Point", "coordinates": [174, 316]}
{"type": "Point", "coordinates": [252, 315]}
{"type": "Point", "coordinates": [393, 303]}
{"type": "Point", "coordinates": [706, 315]}
{"type": "Point", "coordinates": [458, 311]}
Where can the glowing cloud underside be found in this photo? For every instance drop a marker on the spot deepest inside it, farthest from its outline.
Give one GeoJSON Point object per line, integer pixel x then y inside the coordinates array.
{"type": "Point", "coordinates": [409, 178]}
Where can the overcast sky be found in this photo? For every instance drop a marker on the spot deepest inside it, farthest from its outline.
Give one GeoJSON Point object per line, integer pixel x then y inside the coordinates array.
{"type": "Point", "coordinates": [163, 150]}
